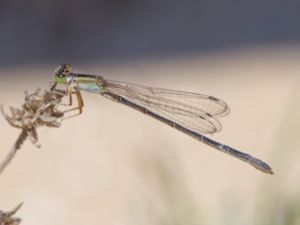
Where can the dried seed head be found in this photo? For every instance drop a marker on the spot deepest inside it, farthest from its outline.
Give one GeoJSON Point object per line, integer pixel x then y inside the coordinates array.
{"type": "Point", "coordinates": [7, 218]}
{"type": "Point", "coordinates": [39, 109]}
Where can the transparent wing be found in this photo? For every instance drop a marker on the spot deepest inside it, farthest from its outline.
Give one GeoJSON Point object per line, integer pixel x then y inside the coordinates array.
{"type": "Point", "coordinates": [196, 112]}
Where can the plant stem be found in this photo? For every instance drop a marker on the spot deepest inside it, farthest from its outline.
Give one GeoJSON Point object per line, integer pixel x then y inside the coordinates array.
{"type": "Point", "coordinates": [13, 150]}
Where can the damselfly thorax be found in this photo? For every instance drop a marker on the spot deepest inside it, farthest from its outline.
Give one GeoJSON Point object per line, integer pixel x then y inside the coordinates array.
{"type": "Point", "coordinates": [86, 82]}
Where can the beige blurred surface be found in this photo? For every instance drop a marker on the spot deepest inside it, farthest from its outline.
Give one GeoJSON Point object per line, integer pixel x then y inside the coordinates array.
{"type": "Point", "coordinates": [113, 165]}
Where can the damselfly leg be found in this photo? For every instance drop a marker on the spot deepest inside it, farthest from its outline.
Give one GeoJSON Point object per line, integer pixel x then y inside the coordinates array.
{"type": "Point", "coordinates": [69, 92]}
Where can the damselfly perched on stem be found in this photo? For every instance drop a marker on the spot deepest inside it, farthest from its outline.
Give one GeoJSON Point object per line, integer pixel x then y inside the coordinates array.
{"type": "Point", "coordinates": [187, 112]}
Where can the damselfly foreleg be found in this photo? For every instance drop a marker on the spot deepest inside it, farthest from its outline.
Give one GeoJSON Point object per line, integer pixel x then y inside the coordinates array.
{"type": "Point", "coordinates": [69, 92]}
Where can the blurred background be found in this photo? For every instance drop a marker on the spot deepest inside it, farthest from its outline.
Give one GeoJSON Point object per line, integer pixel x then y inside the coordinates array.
{"type": "Point", "coordinates": [115, 166]}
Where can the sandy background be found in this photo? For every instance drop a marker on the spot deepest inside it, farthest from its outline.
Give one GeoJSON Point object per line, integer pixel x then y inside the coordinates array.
{"type": "Point", "coordinates": [113, 165]}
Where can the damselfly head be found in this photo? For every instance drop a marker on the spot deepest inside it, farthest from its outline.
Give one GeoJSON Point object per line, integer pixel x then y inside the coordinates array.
{"type": "Point", "coordinates": [61, 73]}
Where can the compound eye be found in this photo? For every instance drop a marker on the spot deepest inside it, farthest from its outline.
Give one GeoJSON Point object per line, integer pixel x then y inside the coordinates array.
{"type": "Point", "coordinates": [63, 70]}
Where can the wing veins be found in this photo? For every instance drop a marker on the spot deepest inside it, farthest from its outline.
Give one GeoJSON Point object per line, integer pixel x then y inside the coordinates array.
{"type": "Point", "coordinates": [188, 115]}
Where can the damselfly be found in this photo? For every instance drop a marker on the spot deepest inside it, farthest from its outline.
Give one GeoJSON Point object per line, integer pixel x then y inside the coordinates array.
{"type": "Point", "coordinates": [187, 112]}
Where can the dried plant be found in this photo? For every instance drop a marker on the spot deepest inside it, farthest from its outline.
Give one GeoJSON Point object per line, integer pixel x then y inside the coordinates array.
{"type": "Point", "coordinates": [39, 109]}
{"type": "Point", "coordinates": [7, 218]}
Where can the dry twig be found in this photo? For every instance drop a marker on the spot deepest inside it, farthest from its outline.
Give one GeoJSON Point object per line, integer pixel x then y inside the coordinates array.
{"type": "Point", "coordinates": [6, 218]}
{"type": "Point", "coordinates": [39, 109]}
